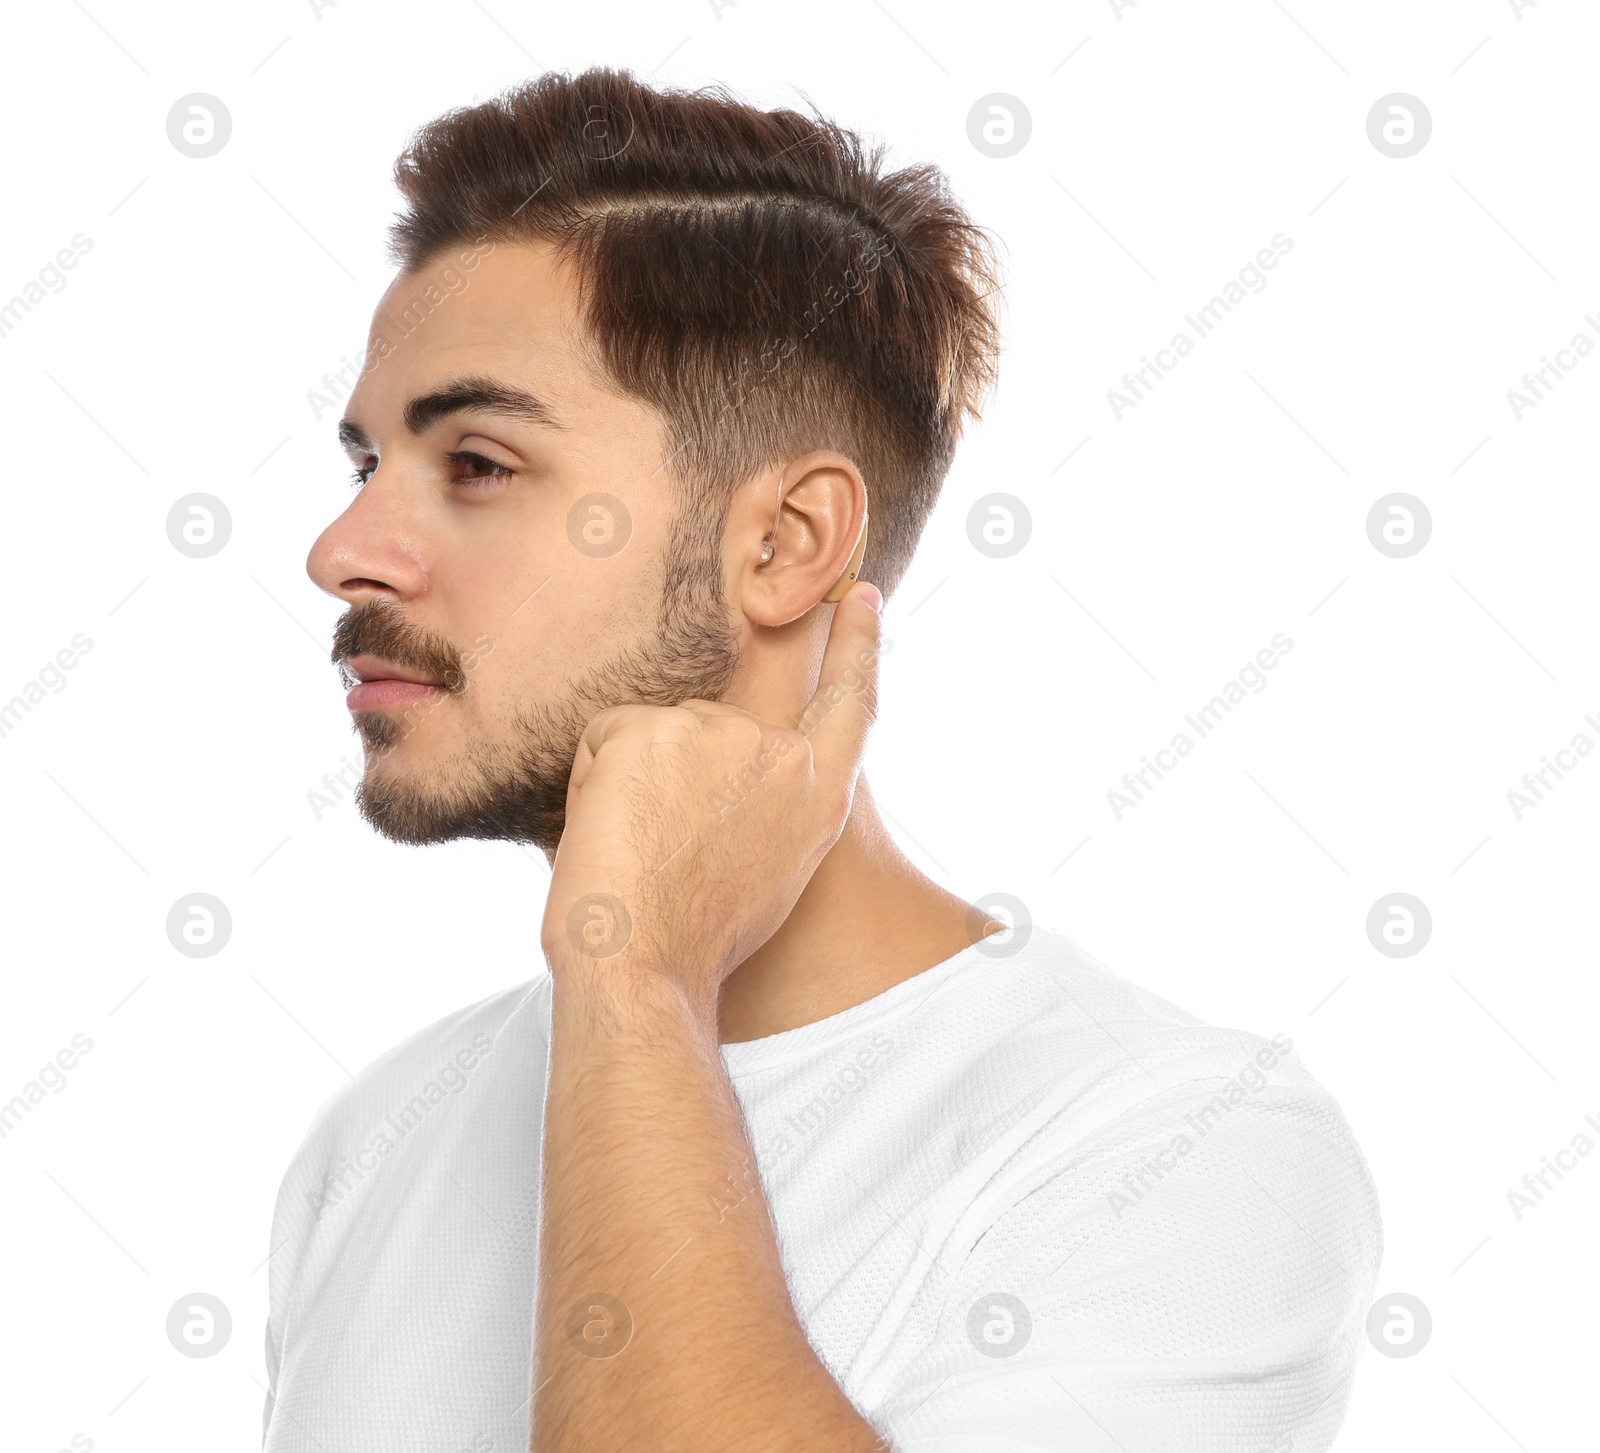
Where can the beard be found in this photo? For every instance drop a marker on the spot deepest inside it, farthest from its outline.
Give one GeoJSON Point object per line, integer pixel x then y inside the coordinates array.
{"type": "Point", "coordinates": [516, 790]}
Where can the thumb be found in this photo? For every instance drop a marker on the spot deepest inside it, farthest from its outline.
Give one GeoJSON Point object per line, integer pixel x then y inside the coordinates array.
{"type": "Point", "coordinates": [839, 715]}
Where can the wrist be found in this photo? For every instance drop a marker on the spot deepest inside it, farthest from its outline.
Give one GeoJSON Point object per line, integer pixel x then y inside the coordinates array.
{"type": "Point", "coordinates": [627, 995]}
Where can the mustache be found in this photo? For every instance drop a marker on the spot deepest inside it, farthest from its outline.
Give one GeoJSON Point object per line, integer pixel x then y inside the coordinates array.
{"type": "Point", "coordinates": [379, 628]}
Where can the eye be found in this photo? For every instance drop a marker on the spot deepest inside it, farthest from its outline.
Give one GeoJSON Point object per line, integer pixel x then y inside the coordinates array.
{"type": "Point", "coordinates": [362, 474]}
{"type": "Point", "coordinates": [473, 470]}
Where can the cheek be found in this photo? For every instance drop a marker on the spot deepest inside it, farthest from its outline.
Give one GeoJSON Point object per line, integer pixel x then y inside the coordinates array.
{"type": "Point", "coordinates": [555, 578]}
{"type": "Point", "coordinates": [559, 637]}
{"type": "Point", "coordinates": [530, 658]}
{"type": "Point", "coordinates": [525, 554]}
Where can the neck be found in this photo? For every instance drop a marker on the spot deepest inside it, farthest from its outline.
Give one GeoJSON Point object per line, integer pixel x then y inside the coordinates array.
{"type": "Point", "coordinates": [867, 920]}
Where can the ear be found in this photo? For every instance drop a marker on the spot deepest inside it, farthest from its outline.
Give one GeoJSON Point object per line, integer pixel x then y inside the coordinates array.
{"type": "Point", "coordinates": [815, 511]}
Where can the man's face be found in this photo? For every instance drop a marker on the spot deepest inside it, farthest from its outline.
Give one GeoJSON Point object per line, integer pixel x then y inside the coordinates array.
{"type": "Point", "coordinates": [477, 561]}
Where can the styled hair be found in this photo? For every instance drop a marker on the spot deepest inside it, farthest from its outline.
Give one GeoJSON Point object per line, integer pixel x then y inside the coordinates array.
{"type": "Point", "coordinates": [755, 276]}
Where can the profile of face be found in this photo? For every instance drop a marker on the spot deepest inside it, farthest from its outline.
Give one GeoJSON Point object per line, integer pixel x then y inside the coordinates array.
{"type": "Point", "coordinates": [517, 556]}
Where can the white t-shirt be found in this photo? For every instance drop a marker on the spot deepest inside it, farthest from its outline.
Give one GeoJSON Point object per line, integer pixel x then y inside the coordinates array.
{"type": "Point", "coordinates": [1022, 1206]}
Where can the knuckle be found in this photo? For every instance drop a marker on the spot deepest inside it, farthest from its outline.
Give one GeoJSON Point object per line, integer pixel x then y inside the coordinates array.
{"type": "Point", "coordinates": [673, 722]}
{"type": "Point", "coordinates": [836, 801]}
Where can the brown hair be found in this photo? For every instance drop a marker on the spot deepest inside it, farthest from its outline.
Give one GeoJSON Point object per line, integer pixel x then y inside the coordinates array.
{"type": "Point", "coordinates": [756, 276]}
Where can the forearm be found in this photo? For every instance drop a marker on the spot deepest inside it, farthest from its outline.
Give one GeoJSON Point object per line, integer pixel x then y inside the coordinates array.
{"type": "Point", "coordinates": [650, 1196]}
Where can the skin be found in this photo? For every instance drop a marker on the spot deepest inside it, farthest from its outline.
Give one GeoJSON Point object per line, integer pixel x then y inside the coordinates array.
{"type": "Point", "coordinates": [675, 921]}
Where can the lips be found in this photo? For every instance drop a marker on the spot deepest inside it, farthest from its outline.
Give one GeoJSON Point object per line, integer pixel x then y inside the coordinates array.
{"type": "Point", "coordinates": [383, 684]}
{"type": "Point", "coordinates": [371, 668]}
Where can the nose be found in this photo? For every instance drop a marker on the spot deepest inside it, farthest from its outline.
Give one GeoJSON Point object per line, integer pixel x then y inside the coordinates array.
{"type": "Point", "coordinates": [373, 548]}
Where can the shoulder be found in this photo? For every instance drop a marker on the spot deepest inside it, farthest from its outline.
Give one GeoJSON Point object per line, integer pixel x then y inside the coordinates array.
{"type": "Point", "coordinates": [453, 1046]}
{"type": "Point", "coordinates": [1175, 1206]}
{"type": "Point", "coordinates": [448, 1060]}
{"type": "Point", "coordinates": [1110, 1075]}
{"type": "Point", "coordinates": [1063, 1046]}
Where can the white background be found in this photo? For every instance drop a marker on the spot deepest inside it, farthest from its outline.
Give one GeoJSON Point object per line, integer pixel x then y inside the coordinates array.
{"type": "Point", "coordinates": [1169, 144]}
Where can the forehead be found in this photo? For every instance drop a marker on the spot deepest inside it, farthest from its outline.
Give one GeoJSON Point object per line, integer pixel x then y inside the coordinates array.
{"type": "Point", "coordinates": [505, 309]}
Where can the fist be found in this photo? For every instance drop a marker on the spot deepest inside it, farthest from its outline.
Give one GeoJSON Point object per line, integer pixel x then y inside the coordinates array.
{"type": "Point", "coordinates": [692, 829]}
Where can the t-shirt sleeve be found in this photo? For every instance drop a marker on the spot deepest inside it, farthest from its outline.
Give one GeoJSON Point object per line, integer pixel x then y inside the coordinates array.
{"type": "Point", "coordinates": [1193, 1276]}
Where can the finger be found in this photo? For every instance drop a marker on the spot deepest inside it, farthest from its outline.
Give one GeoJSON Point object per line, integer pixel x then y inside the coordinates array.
{"type": "Point", "coordinates": [837, 718]}
{"type": "Point", "coordinates": [716, 708]}
{"type": "Point", "coordinates": [602, 726]}
{"type": "Point", "coordinates": [609, 721]}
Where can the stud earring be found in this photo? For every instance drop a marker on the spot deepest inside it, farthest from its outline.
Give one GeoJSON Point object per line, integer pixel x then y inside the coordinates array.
{"type": "Point", "coordinates": [766, 548]}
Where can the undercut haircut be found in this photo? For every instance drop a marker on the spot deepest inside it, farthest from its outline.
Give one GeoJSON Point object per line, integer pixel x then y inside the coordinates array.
{"type": "Point", "coordinates": [757, 277]}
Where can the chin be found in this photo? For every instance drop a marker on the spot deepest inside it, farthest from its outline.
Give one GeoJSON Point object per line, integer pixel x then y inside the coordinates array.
{"type": "Point", "coordinates": [417, 817]}
{"type": "Point", "coordinates": [384, 734]}
{"type": "Point", "coordinates": [467, 797]}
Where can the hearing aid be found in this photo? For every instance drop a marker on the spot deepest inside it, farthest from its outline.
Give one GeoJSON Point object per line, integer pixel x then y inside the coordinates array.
{"type": "Point", "coordinates": [853, 569]}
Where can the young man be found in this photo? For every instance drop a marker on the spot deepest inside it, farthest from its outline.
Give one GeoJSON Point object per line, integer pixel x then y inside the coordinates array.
{"type": "Point", "coordinates": [786, 1147]}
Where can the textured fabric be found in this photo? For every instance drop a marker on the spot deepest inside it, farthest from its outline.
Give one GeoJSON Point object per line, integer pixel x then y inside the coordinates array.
{"type": "Point", "coordinates": [1022, 1205]}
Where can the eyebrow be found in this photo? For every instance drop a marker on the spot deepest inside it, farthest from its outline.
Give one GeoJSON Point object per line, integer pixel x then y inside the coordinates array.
{"type": "Point", "coordinates": [478, 393]}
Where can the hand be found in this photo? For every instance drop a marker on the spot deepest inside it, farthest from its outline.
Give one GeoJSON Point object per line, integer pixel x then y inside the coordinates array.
{"type": "Point", "coordinates": [692, 829]}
